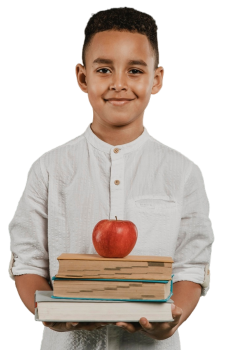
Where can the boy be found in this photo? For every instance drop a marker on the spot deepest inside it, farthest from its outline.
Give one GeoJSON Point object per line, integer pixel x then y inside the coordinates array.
{"type": "Point", "coordinates": [115, 168]}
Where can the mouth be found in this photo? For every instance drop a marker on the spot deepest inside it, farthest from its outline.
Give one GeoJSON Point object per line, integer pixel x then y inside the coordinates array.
{"type": "Point", "coordinates": [118, 102]}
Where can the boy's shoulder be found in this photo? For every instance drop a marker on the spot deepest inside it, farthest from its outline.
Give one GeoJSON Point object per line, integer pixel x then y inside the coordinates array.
{"type": "Point", "coordinates": [176, 162]}
{"type": "Point", "coordinates": [171, 154]}
{"type": "Point", "coordinates": [58, 157]}
{"type": "Point", "coordinates": [63, 149]}
{"type": "Point", "coordinates": [63, 146]}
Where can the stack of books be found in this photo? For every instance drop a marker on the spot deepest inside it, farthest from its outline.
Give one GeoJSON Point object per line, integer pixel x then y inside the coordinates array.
{"type": "Point", "coordinates": [90, 288]}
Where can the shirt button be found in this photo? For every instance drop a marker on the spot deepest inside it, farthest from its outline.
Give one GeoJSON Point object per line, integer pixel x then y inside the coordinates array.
{"type": "Point", "coordinates": [116, 182]}
{"type": "Point", "coordinates": [116, 150]}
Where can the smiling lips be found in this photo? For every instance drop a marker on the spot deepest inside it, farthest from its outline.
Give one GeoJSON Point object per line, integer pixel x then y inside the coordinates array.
{"type": "Point", "coordinates": [118, 101]}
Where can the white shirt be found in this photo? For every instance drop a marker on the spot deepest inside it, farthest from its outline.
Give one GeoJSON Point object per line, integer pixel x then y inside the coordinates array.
{"type": "Point", "coordinates": [73, 186]}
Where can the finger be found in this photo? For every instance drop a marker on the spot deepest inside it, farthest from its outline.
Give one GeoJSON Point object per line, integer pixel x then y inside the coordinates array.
{"type": "Point", "coordinates": [147, 326]}
{"type": "Point", "coordinates": [49, 324]}
{"type": "Point", "coordinates": [71, 324]}
{"type": "Point", "coordinates": [129, 327]}
{"type": "Point", "coordinates": [88, 326]}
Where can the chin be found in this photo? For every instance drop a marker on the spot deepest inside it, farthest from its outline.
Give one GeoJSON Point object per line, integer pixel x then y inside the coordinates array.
{"type": "Point", "coordinates": [119, 121]}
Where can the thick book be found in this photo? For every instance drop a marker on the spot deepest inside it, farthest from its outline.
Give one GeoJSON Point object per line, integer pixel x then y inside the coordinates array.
{"type": "Point", "coordinates": [105, 289]}
{"type": "Point", "coordinates": [68, 310]}
{"type": "Point", "coordinates": [129, 267]}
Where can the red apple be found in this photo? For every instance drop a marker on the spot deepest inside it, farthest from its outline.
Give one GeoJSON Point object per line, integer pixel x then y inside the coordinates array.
{"type": "Point", "coordinates": [114, 238]}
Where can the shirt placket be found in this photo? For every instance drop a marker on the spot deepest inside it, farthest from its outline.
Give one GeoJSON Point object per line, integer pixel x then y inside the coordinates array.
{"type": "Point", "coordinates": [117, 184]}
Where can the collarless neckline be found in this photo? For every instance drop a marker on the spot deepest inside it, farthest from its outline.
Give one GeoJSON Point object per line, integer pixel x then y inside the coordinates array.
{"type": "Point", "coordinates": [107, 148]}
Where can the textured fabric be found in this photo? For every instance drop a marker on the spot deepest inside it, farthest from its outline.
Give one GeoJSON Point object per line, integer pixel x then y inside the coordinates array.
{"type": "Point", "coordinates": [72, 187]}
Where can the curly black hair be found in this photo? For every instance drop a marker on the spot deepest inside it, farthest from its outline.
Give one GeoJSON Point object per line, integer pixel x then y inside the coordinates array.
{"type": "Point", "coordinates": [122, 19]}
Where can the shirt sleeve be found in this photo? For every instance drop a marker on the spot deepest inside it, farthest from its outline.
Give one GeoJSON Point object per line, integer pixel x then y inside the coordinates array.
{"type": "Point", "coordinates": [193, 248]}
{"type": "Point", "coordinates": [28, 227]}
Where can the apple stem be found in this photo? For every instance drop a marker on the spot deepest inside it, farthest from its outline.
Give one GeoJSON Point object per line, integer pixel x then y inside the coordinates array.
{"type": "Point", "coordinates": [116, 217]}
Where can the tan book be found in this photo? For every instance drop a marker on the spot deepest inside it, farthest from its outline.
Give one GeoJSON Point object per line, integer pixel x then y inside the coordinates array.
{"type": "Point", "coordinates": [130, 267]}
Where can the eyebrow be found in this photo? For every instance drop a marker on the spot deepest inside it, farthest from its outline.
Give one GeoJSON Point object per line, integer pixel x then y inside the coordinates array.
{"type": "Point", "coordinates": [108, 61]}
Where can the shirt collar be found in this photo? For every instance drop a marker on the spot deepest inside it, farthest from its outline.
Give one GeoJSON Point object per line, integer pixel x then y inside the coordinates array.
{"type": "Point", "coordinates": [107, 148]}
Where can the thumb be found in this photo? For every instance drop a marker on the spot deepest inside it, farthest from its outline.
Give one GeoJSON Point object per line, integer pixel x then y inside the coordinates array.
{"type": "Point", "coordinates": [173, 307]}
{"type": "Point", "coordinates": [176, 312]}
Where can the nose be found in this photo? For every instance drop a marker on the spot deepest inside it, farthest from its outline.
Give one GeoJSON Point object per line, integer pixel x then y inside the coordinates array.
{"type": "Point", "coordinates": [118, 82]}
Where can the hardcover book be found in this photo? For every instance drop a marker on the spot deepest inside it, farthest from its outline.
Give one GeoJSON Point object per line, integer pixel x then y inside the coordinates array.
{"type": "Point", "coordinates": [129, 267]}
{"type": "Point", "coordinates": [69, 310]}
{"type": "Point", "coordinates": [112, 289]}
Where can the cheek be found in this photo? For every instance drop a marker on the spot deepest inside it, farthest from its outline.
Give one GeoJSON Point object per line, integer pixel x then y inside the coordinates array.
{"type": "Point", "coordinates": [96, 91]}
{"type": "Point", "coordinates": [142, 88]}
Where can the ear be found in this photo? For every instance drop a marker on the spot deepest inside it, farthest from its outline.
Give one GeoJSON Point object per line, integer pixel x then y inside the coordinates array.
{"type": "Point", "coordinates": [158, 79]}
{"type": "Point", "coordinates": [81, 77]}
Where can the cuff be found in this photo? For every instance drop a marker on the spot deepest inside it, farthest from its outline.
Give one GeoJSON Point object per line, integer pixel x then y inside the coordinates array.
{"type": "Point", "coordinates": [22, 269]}
{"type": "Point", "coordinates": [200, 275]}
{"type": "Point", "coordinates": [206, 282]}
{"type": "Point", "coordinates": [10, 267]}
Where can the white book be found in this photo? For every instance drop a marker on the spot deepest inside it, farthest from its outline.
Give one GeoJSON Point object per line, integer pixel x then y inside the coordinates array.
{"type": "Point", "coordinates": [69, 310]}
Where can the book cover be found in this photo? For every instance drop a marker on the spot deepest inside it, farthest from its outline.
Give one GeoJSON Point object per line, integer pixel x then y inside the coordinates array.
{"type": "Point", "coordinates": [69, 256]}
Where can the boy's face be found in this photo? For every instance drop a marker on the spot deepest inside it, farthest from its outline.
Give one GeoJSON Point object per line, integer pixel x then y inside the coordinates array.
{"type": "Point", "coordinates": [119, 78]}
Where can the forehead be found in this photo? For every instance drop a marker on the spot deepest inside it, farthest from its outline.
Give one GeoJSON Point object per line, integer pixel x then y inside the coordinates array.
{"type": "Point", "coordinates": [119, 45]}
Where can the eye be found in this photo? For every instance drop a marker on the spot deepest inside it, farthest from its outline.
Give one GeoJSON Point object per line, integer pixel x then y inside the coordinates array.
{"type": "Point", "coordinates": [137, 70]}
{"type": "Point", "coordinates": [102, 69]}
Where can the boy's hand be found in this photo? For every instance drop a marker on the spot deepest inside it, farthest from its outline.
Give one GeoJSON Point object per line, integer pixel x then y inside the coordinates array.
{"type": "Point", "coordinates": [71, 326]}
{"type": "Point", "coordinates": [155, 330]}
